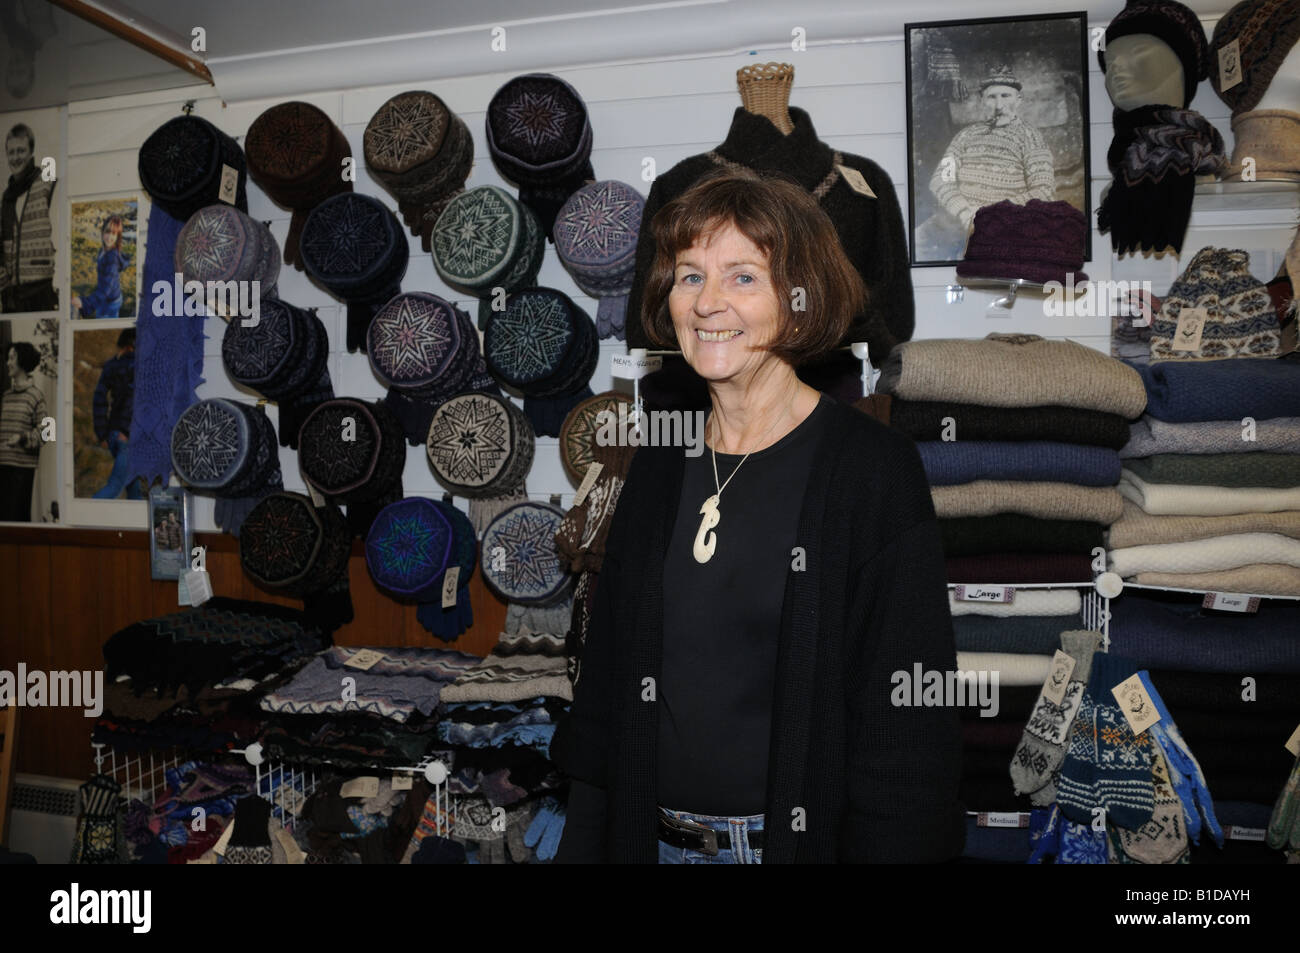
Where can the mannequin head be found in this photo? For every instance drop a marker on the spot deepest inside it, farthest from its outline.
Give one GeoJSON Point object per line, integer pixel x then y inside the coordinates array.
{"type": "Point", "coordinates": [1143, 70]}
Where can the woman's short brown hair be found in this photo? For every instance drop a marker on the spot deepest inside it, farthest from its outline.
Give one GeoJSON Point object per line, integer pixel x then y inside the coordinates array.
{"type": "Point", "coordinates": [808, 265]}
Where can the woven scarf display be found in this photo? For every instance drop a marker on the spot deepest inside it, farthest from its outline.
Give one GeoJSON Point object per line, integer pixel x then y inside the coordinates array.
{"type": "Point", "coordinates": [1154, 159]}
{"type": "Point", "coordinates": [545, 346]}
{"type": "Point", "coordinates": [539, 137]}
{"type": "Point", "coordinates": [284, 357]}
{"type": "Point", "coordinates": [1239, 316]}
{"type": "Point", "coordinates": [221, 243]}
{"type": "Point", "coordinates": [595, 236]}
{"type": "Point", "coordinates": [353, 246]}
{"type": "Point", "coordinates": [290, 546]}
{"type": "Point", "coordinates": [229, 450]}
{"type": "Point", "coordinates": [425, 350]}
{"type": "Point", "coordinates": [481, 446]}
{"type": "Point", "coordinates": [295, 153]}
{"type": "Point", "coordinates": [353, 452]}
{"type": "Point", "coordinates": [519, 560]}
{"type": "Point", "coordinates": [421, 152]}
{"type": "Point", "coordinates": [1038, 241]}
{"type": "Point", "coordinates": [182, 163]}
{"type": "Point", "coordinates": [409, 549]}
{"type": "Point", "coordinates": [485, 240]}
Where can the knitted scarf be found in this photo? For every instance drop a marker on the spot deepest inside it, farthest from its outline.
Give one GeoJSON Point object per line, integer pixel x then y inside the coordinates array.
{"type": "Point", "coordinates": [18, 184]}
{"type": "Point", "coordinates": [1154, 159]}
{"type": "Point", "coordinates": [168, 357]}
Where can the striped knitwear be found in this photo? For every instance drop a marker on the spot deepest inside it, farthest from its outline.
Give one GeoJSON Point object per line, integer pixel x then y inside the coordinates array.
{"type": "Point", "coordinates": [21, 414]}
{"type": "Point", "coordinates": [993, 163]}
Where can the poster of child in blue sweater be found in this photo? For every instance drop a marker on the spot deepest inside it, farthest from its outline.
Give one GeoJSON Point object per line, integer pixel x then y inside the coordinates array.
{"type": "Point", "coordinates": [103, 258]}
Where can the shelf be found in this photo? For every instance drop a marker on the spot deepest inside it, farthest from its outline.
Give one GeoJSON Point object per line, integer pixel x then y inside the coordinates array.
{"type": "Point", "coordinates": [1238, 196]}
{"type": "Point", "coordinates": [1202, 592]}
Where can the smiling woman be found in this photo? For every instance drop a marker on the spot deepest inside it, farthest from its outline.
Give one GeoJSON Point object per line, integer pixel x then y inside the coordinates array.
{"type": "Point", "coordinates": [735, 702]}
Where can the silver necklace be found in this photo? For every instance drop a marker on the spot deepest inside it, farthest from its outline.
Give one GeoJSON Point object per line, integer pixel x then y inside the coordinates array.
{"type": "Point", "coordinates": [705, 540]}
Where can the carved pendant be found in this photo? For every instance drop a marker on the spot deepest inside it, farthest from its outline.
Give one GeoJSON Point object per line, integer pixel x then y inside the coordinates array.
{"type": "Point", "coordinates": [705, 541]}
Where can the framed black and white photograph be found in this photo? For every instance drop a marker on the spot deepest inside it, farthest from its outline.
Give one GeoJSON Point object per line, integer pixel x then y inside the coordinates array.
{"type": "Point", "coordinates": [29, 378]}
{"type": "Point", "coordinates": [170, 535]}
{"type": "Point", "coordinates": [30, 239]}
{"type": "Point", "coordinates": [997, 109]}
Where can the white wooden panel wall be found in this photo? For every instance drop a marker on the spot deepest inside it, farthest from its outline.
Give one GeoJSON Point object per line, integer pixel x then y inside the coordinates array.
{"type": "Point", "coordinates": [667, 111]}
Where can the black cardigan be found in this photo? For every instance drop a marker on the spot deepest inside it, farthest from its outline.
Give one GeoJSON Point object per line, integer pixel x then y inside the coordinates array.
{"type": "Point", "coordinates": [867, 781]}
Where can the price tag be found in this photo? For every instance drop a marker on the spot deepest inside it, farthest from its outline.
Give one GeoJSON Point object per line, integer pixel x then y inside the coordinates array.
{"type": "Point", "coordinates": [631, 368]}
{"type": "Point", "coordinates": [403, 782]}
{"type": "Point", "coordinates": [317, 500]}
{"type": "Point", "coordinates": [220, 846]}
{"type": "Point", "coordinates": [289, 799]}
{"type": "Point", "coordinates": [1136, 704]}
{"type": "Point", "coordinates": [1058, 677]}
{"type": "Point", "coordinates": [1230, 601]}
{"type": "Point", "coordinates": [1004, 819]}
{"type": "Point", "coordinates": [360, 787]}
{"type": "Point", "coordinates": [588, 481]}
{"type": "Point", "coordinates": [229, 184]}
{"type": "Point", "coordinates": [985, 593]}
{"type": "Point", "coordinates": [198, 586]}
{"type": "Point", "coordinates": [856, 182]}
{"type": "Point", "coordinates": [1191, 322]}
{"type": "Point", "coordinates": [450, 580]}
{"type": "Point", "coordinates": [1233, 832]}
{"type": "Point", "coordinates": [1293, 743]}
{"type": "Point", "coordinates": [364, 659]}
{"type": "Point", "coordinates": [1229, 65]}
{"type": "Point", "coordinates": [182, 591]}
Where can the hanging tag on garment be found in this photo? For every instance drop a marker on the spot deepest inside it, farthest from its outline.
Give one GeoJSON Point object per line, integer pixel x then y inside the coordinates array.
{"type": "Point", "coordinates": [1191, 322]}
{"type": "Point", "coordinates": [229, 184]}
{"type": "Point", "coordinates": [450, 579]}
{"type": "Point", "coordinates": [1229, 65]}
{"type": "Point", "coordinates": [1136, 704]}
{"type": "Point", "coordinates": [588, 481]}
{"type": "Point", "coordinates": [855, 181]}
{"type": "Point", "coordinates": [1058, 677]}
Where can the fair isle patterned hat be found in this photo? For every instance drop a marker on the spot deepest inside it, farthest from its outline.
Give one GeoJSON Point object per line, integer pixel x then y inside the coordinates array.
{"type": "Point", "coordinates": [578, 434]}
{"type": "Point", "coordinates": [181, 165]}
{"type": "Point", "coordinates": [480, 445]}
{"type": "Point", "coordinates": [295, 153]}
{"type": "Point", "coordinates": [353, 246]}
{"type": "Point", "coordinates": [484, 240]}
{"type": "Point", "coordinates": [284, 357]}
{"type": "Point", "coordinates": [595, 236]}
{"type": "Point", "coordinates": [221, 243]}
{"type": "Point", "coordinates": [421, 152]}
{"type": "Point", "coordinates": [1265, 31]}
{"type": "Point", "coordinates": [520, 544]}
{"type": "Point", "coordinates": [1240, 319]}
{"type": "Point", "coordinates": [539, 137]}
{"type": "Point", "coordinates": [353, 452]}
{"type": "Point", "coordinates": [227, 449]}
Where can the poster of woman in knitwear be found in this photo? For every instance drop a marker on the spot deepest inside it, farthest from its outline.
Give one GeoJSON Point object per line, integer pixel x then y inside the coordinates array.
{"type": "Point", "coordinates": [102, 263]}
{"type": "Point", "coordinates": [29, 361]}
{"type": "Point", "coordinates": [29, 240]}
{"type": "Point", "coordinates": [997, 109]}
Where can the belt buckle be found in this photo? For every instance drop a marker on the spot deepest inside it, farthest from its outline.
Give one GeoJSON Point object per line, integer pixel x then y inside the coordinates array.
{"type": "Point", "coordinates": [710, 841]}
{"type": "Point", "coordinates": [706, 836]}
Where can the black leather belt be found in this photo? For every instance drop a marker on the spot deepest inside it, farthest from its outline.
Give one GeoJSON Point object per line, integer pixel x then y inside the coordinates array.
{"type": "Point", "coordinates": [677, 833]}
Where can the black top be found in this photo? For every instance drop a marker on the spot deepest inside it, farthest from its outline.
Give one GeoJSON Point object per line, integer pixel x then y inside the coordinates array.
{"type": "Point", "coordinates": [722, 624]}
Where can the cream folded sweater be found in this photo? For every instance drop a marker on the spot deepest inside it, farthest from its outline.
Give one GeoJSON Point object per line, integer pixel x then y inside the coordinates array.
{"type": "Point", "coordinates": [1011, 669]}
{"type": "Point", "coordinates": [1207, 555]}
{"type": "Point", "coordinates": [1264, 579]}
{"type": "Point", "coordinates": [1139, 528]}
{"type": "Point", "coordinates": [1170, 499]}
{"type": "Point", "coordinates": [1051, 602]}
{"type": "Point", "coordinates": [1013, 370]}
{"type": "Point", "coordinates": [1047, 501]}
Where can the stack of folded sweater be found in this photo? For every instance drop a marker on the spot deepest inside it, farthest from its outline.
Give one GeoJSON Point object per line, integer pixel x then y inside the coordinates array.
{"type": "Point", "coordinates": [1018, 436]}
{"type": "Point", "coordinates": [360, 710]}
{"type": "Point", "coordinates": [1212, 479]}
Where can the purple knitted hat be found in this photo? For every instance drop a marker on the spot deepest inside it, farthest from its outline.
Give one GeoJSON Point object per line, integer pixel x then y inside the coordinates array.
{"type": "Point", "coordinates": [1038, 241]}
{"type": "Point", "coordinates": [596, 236]}
{"type": "Point", "coordinates": [221, 243]}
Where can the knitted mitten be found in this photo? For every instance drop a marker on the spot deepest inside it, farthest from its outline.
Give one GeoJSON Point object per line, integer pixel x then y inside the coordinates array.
{"type": "Point", "coordinates": [1184, 771]}
{"type": "Point", "coordinates": [1042, 748]}
{"type": "Point", "coordinates": [1284, 824]}
{"type": "Point", "coordinates": [1080, 844]}
{"type": "Point", "coordinates": [544, 834]}
{"type": "Point", "coordinates": [1163, 839]}
{"type": "Point", "coordinates": [97, 828]}
{"type": "Point", "coordinates": [1123, 766]}
{"type": "Point", "coordinates": [250, 842]}
{"type": "Point", "coordinates": [1044, 833]}
{"type": "Point", "coordinates": [1077, 784]}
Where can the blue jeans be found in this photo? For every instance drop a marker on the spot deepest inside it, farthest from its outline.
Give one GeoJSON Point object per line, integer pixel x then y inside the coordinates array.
{"type": "Point", "coordinates": [117, 480]}
{"type": "Point", "coordinates": [739, 829]}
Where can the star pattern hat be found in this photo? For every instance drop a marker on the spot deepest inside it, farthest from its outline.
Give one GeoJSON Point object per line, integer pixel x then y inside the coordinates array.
{"type": "Point", "coordinates": [596, 236]}
{"type": "Point", "coordinates": [353, 452]}
{"type": "Point", "coordinates": [227, 449]}
{"type": "Point", "coordinates": [421, 152]}
{"type": "Point", "coordinates": [519, 560]}
{"type": "Point", "coordinates": [480, 445]}
{"type": "Point", "coordinates": [295, 154]}
{"type": "Point", "coordinates": [353, 246]}
{"type": "Point", "coordinates": [182, 163]}
{"type": "Point", "coordinates": [578, 434]}
{"type": "Point", "coordinates": [284, 356]}
{"type": "Point", "coordinates": [221, 243]}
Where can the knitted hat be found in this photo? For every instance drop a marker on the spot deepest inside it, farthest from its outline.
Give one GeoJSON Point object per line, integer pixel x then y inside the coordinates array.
{"type": "Point", "coordinates": [545, 346]}
{"type": "Point", "coordinates": [182, 164]}
{"type": "Point", "coordinates": [285, 357]}
{"type": "Point", "coordinates": [447, 623]}
{"type": "Point", "coordinates": [353, 246]}
{"type": "Point", "coordinates": [425, 350]}
{"type": "Point", "coordinates": [1175, 24]}
{"type": "Point", "coordinates": [481, 446]}
{"type": "Point", "coordinates": [221, 243]}
{"type": "Point", "coordinates": [595, 236]}
{"type": "Point", "coordinates": [539, 137]}
{"type": "Point", "coordinates": [1265, 31]}
{"type": "Point", "coordinates": [290, 546]}
{"type": "Point", "coordinates": [486, 240]}
{"type": "Point", "coordinates": [352, 451]}
{"type": "Point", "coordinates": [227, 449]}
{"type": "Point", "coordinates": [519, 560]}
{"type": "Point", "coordinates": [1000, 76]}
{"type": "Point", "coordinates": [295, 153]}
{"type": "Point", "coordinates": [1038, 241]}
{"type": "Point", "coordinates": [1271, 137]}
{"type": "Point", "coordinates": [421, 152]}
{"type": "Point", "coordinates": [578, 433]}
{"type": "Point", "coordinates": [1240, 320]}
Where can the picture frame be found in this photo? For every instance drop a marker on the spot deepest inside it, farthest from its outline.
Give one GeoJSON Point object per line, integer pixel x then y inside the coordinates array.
{"type": "Point", "coordinates": [171, 533]}
{"type": "Point", "coordinates": [95, 270]}
{"type": "Point", "coordinates": [991, 104]}
{"type": "Point", "coordinates": [33, 275]}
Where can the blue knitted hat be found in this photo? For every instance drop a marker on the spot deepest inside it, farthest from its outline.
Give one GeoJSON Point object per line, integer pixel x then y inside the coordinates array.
{"type": "Point", "coordinates": [409, 547]}
{"type": "Point", "coordinates": [221, 243]}
{"type": "Point", "coordinates": [596, 237]}
{"type": "Point", "coordinates": [519, 560]}
{"type": "Point", "coordinates": [182, 162]}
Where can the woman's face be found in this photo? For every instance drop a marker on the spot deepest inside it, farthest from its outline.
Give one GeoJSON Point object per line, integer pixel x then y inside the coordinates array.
{"type": "Point", "coordinates": [11, 362]}
{"type": "Point", "coordinates": [19, 154]}
{"type": "Point", "coordinates": [109, 238]}
{"type": "Point", "coordinates": [723, 303]}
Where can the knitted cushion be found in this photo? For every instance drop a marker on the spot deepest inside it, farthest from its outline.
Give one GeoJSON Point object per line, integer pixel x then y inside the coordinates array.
{"type": "Point", "coordinates": [287, 543]}
{"type": "Point", "coordinates": [480, 445]}
{"type": "Point", "coordinates": [409, 546]}
{"type": "Point", "coordinates": [542, 343]}
{"type": "Point", "coordinates": [1038, 241]}
{"type": "Point", "coordinates": [578, 435]}
{"type": "Point", "coordinates": [180, 166]}
{"type": "Point", "coordinates": [486, 239]}
{"type": "Point", "coordinates": [367, 465]}
{"type": "Point", "coordinates": [596, 235]}
{"type": "Point", "coordinates": [519, 560]}
{"type": "Point", "coordinates": [1265, 31]}
{"type": "Point", "coordinates": [537, 129]}
{"type": "Point", "coordinates": [1240, 319]}
{"type": "Point", "coordinates": [221, 243]}
{"type": "Point", "coordinates": [415, 339]}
